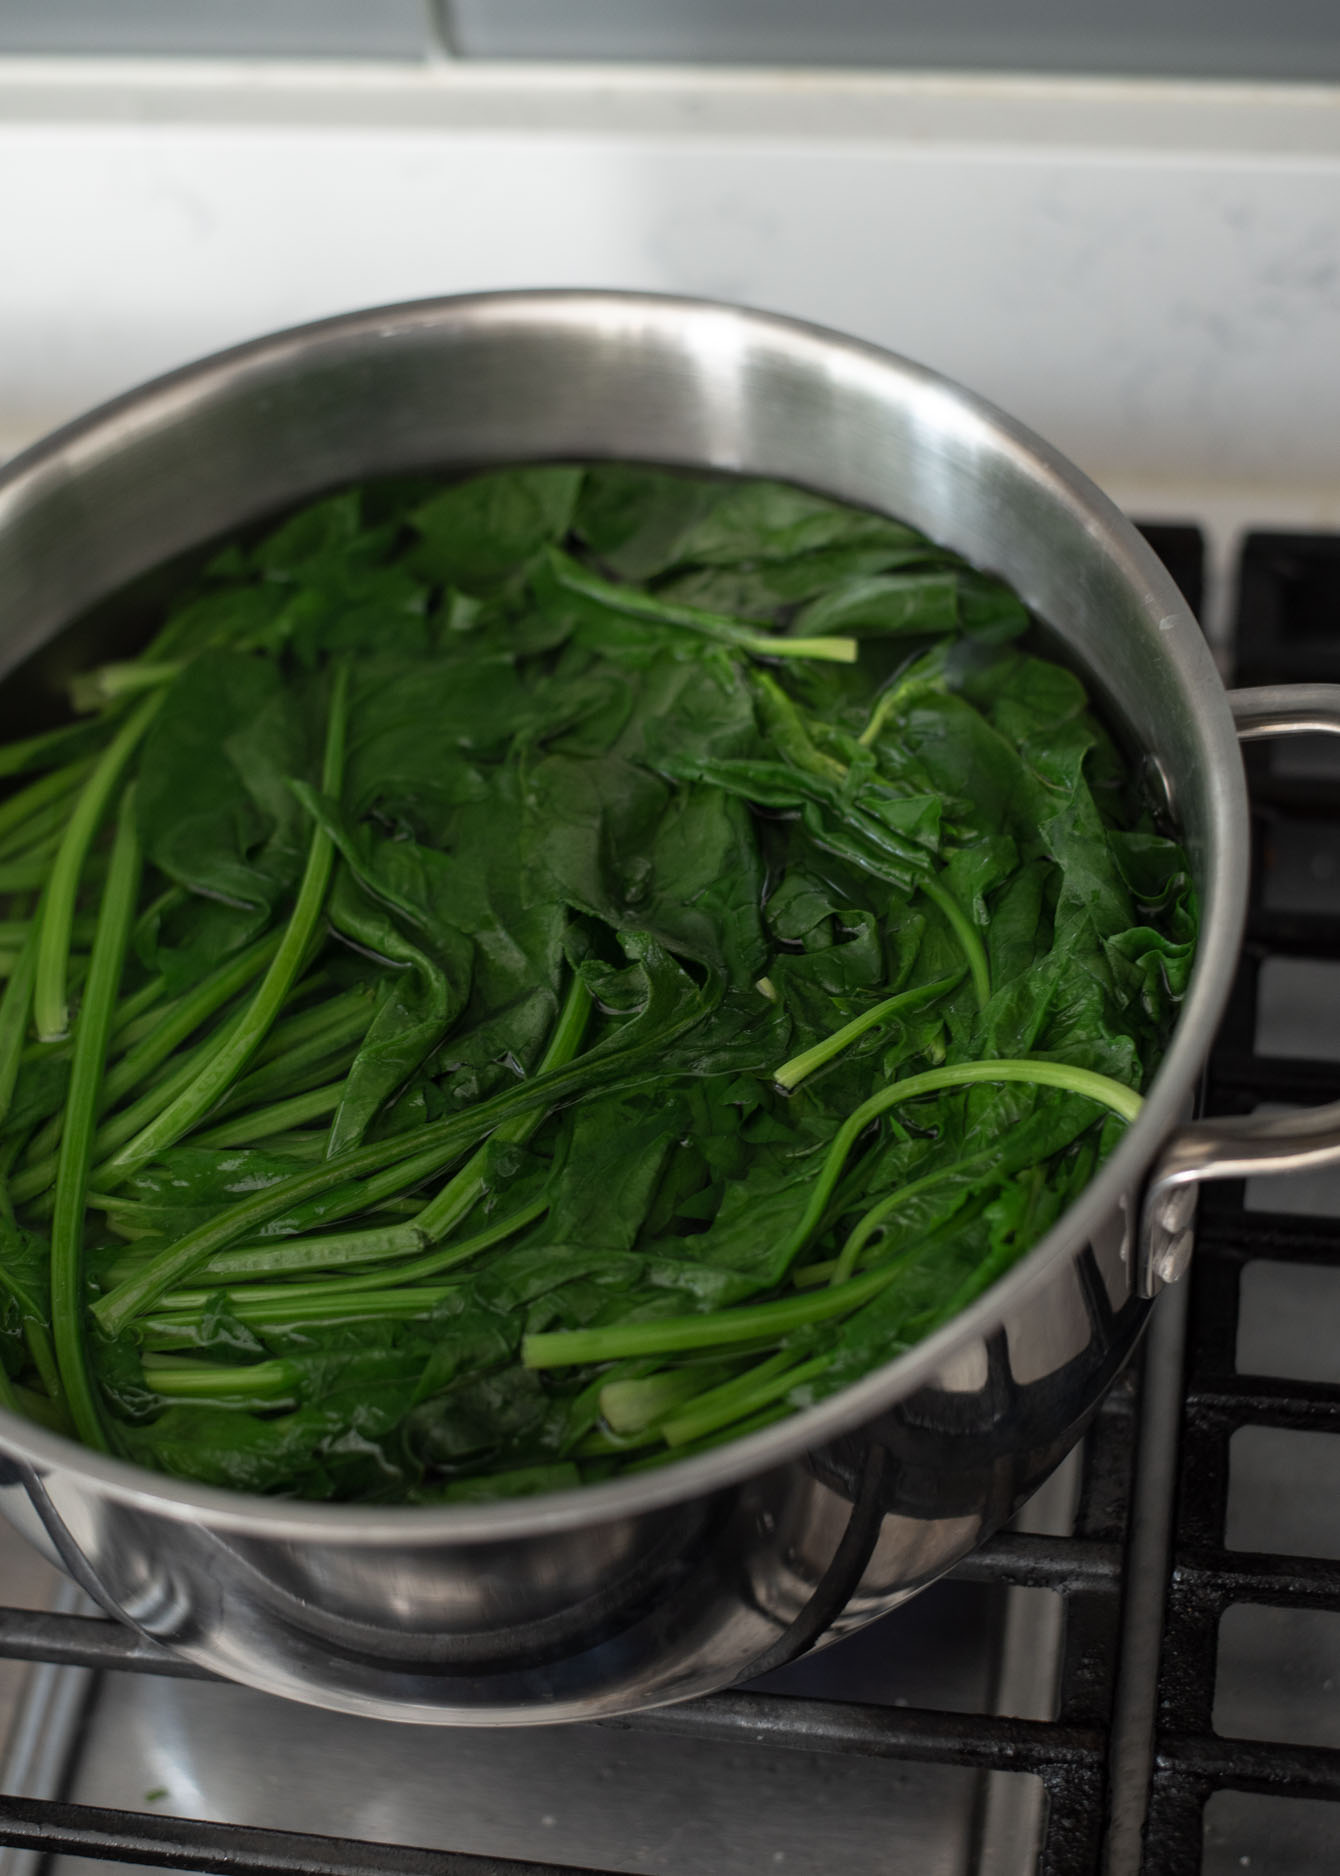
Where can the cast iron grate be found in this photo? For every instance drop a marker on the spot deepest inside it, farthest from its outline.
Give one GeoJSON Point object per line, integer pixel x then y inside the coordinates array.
{"type": "Point", "coordinates": [1288, 614]}
{"type": "Point", "coordinates": [1069, 1754]}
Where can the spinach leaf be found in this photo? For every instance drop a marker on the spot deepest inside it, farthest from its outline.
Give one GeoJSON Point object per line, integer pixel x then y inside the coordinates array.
{"type": "Point", "coordinates": [478, 532]}
{"type": "Point", "coordinates": [411, 1018]}
{"type": "Point", "coordinates": [200, 819]}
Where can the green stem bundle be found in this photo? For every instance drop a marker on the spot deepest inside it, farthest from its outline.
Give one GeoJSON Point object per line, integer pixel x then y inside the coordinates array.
{"type": "Point", "coordinates": [90, 1052]}
{"type": "Point", "coordinates": [62, 883]}
{"type": "Point", "coordinates": [226, 1063]}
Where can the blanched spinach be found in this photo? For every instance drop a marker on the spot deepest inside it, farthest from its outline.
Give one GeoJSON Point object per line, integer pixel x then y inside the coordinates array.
{"type": "Point", "coordinates": [589, 962]}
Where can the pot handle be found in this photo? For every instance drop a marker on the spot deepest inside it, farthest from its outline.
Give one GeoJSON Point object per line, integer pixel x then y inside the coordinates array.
{"type": "Point", "coordinates": [1238, 1146]}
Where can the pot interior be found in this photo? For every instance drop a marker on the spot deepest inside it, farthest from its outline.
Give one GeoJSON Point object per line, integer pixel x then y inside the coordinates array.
{"type": "Point", "coordinates": [97, 524]}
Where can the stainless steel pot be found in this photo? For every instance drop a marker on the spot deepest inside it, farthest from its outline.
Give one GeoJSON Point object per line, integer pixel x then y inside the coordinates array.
{"type": "Point", "coordinates": [656, 1587]}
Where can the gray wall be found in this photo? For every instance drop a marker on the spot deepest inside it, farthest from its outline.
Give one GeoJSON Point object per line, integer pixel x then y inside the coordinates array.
{"type": "Point", "coordinates": [1196, 38]}
{"type": "Point", "coordinates": [260, 28]}
{"type": "Point", "coordinates": [1288, 39]}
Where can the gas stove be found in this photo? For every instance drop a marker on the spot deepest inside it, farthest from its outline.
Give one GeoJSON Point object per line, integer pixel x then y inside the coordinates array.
{"type": "Point", "coordinates": [1139, 1678]}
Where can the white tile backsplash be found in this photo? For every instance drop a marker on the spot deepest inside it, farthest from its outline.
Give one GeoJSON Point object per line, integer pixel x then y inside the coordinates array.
{"type": "Point", "coordinates": [1149, 274]}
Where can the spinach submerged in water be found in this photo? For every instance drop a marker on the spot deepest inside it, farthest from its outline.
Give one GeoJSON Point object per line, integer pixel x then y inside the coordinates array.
{"type": "Point", "coordinates": [524, 979]}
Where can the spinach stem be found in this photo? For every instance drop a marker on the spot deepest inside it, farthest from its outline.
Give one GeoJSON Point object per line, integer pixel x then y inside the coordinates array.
{"type": "Point", "coordinates": [13, 931]}
{"type": "Point", "coordinates": [743, 1396]}
{"type": "Point", "coordinates": [50, 1006]}
{"type": "Point", "coordinates": [263, 1122]}
{"type": "Point", "coordinates": [31, 752]}
{"type": "Point", "coordinates": [280, 1257]}
{"type": "Point", "coordinates": [965, 931]}
{"type": "Point", "coordinates": [46, 1411]}
{"type": "Point", "coordinates": [286, 1073]}
{"type": "Point", "coordinates": [463, 1191]}
{"type": "Point", "coordinates": [924, 674]}
{"type": "Point", "coordinates": [92, 1032]}
{"type": "Point", "coordinates": [787, 729]}
{"type": "Point", "coordinates": [327, 1019]}
{"type": "Point", "coordinates": [310, 1102]}
{"type": "Point", "coordinates": [790, 1075]}
{"type": "Point", "coordinates": [18, 810]}
{"type": "Point", "coordinates": [380, 1246]}
{"type": "Point", "coordinates": [29, 872]}
{"type": "Point", "coordinates": [174, 1026]}
{"type": "Point", "coordinates": [44, 1359]}
{"type": "Point", "coordinates": [228, 1061]}
{"type": "Point", "coordinates": [307, 1144]}
{"type": "Point", "coordinates": [395, 1241]}
{"type": "Point", "coordinates": [1083, 1081]}
{"type": "Point", "coordinates": [15, 1005]}
{"type": "Point", "coordinates": [450, 1255]}
{"type": "Point", "coordinates": [738, 1387]}
{"type": "Point", "coordinates": [137, 1014]}
{"type": "Point", "coordinates": [638, 1402]}
{"type": "Point", "coordinates": [739, 1430]}
{"type": "Point", "coordinates": [266, 1381]}
{"type": "Point", "coordinates": [164, 1088]}
{"type": "Point", "coordinates": [867, 1226]}
{"type": "Point", "coordinates": [181, 1330]}
{"type": "Point", "coordinates": [187, 1014]}
{"type": "Point", "coordinates": [38, 831]}
{"type": "Point", "coordinates": [118, 1128]}
{"type": "Point", "coordinates": [92, 690]}
{"type": "Point", "coordinates": [833, 650]}
{"type": "Point", "coordinates": [635, 604]}
{"type": "Point", "coordinates": [880, 715]}
{"type": "Point", "coordinates": [134, 1017]}
{"type": "Point", "coordinates": [676, 1335]}
{"type": "Point", "coordinates": [37, 1176]}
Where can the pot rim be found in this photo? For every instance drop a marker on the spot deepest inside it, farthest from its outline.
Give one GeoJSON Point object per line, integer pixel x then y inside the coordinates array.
{"type": "Point", "coordinates": [1115, 1189]}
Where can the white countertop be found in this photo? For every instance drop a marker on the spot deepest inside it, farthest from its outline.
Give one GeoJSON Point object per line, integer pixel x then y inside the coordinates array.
{"type": "Point", "coordinates": [1148, 272]}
